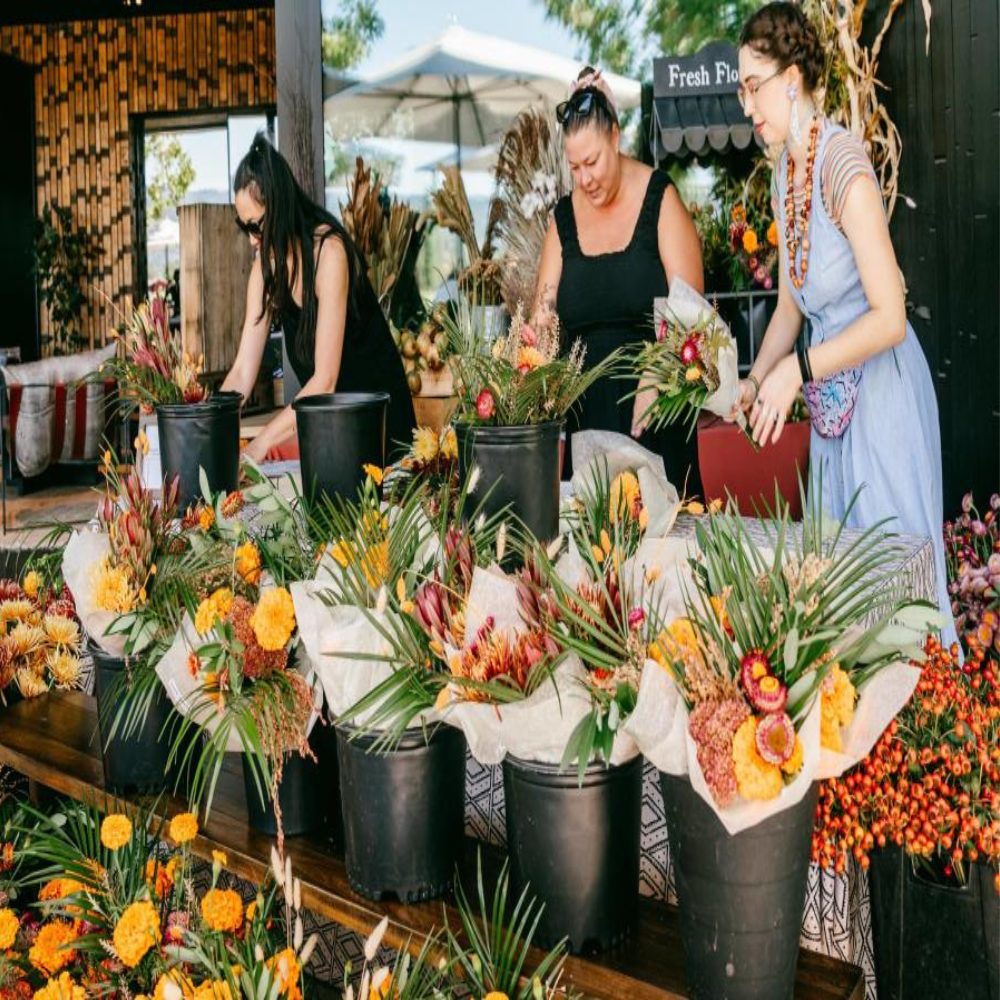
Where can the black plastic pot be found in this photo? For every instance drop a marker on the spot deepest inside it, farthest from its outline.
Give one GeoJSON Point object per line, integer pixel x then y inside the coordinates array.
{"type": "Point", "coordinates": [339, 433]}
{"type": "Point", "coordinates": [195, 436]}
{"type": "Point", "coordinates": [136, 762]}
{"type": "Point", "coordinates": [747, 315]}
{"type": "Point", "coordinates": [518, 466]}
{"type": "Point", "coordinates": [933, 941]}
{"type": "Point", "coordinates": [307, 794]}
{"type": "Point", "coordinates": [741, 897]}
{"type": "Point", "coordinates": [404, 813]}
{"type": "Point", "coordinates": [577, 847]}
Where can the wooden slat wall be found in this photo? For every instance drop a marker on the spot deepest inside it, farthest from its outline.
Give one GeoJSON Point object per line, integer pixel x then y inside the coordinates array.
{"type": "Point", "coordinates": [947, 108]}
{"type": "Point", "coordinates": [91, 75]}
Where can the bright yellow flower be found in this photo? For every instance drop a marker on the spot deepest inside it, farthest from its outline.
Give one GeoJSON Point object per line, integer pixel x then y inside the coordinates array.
{"type": "Point", "coordinates": [137, 930]}
{"type": "Point", "coordinates": [248, 563]}
{"type": "Point", "coordinates": [694, 507]}
{"type": "Point", "coordinates": [692, 374]}
{"type": "Point", "coordinates": [755, 777]}
{"type": "Point", "coordinates": [173, 985]}
{"type": "Point", "coordinates": [495, 995]}
{"type": "Point", "coordinates": [837, 696]}
{"type": "Point", "coordinates": [449, 445]}
{"type": "Point", "coordinates": [750, 243]}
{"type": "Point", "coordinates": [376, 564]}
{"type": "Point", "coordinates": [222, 910]}
{"type": "Point", "coordinates": [212, 989]}
{"type": "Point", "coordinates": [116, 831]}
{"type": "Point", "coordinates": [738, 213]}
{"type": "Point", "coordinates": [62, 631]}
{"type": "Point", "coordinates": [183, 828]}
{"type": "Point", "coordinates": [373, 472]}
{"type": "Point", "coordinates": [62, 988]}
{"type": "Point", "coordinates": [251, 910]}
{"type": "Point", "coordinates": [622, 495]}
{"type": "Point", "coordinates": [529, 358]}
{"type": "Point", "coordinates": [286, 969]}
{"type": "Point", "coordinates": [671, 644]}
{"type": "Point", "coordinates": [220, 858]}
{"type": "Point", "coordinates": [794, 763]}
{"type": "Point", "coordinates": [425, 445]}
{"type": "Point", "coordinates": [32, 584]}
{"type": "Point", "coordinates": [24, 639]}
{"type": "Point", "coordinates": [9, 925]}
{"type": "Point", "coordinates": [15, 611]}
{"type": "Point", "coordinates": [49, 952]}
{"type": "Point", "coordinates": [206, 518]}
{"type": "Point", "coordinates": [113, 591]}
{"type": "Point", "coordinates": [273, 620]}
{"type": "Point", "coordinates": [29, 683]}
{"type": "Point", "coordinates": [772, 233]}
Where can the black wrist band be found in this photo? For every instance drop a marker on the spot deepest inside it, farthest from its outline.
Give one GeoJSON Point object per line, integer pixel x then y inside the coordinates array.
{"type": "Point", "coordinates": [805, 370]}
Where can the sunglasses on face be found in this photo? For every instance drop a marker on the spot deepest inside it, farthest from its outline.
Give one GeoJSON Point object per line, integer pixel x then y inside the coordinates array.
{"type": "Point", "coordinates": [255, 227]}
{"type": "Point", "coordinates": [580, 105]}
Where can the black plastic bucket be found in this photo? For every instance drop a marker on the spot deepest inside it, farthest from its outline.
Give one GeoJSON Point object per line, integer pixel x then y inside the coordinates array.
{"type": "Point", "coordinates": [519, 467]}
{"type": "Point", "coordinates": [741, 897]}
{"type": "Point", "coordinates": [577, 848]}
{"type": "Point", "coordinates": [307, 789]}
{"type": "Point", "coordinates": [136, 762]}
{"type": "Point", "coordinates": [339, 433]}
{"type": "Point", "coordinates": [195, 436]}
{"type": "Point", "coordinates": [933, 941]}
{"type": "Point", "coordinates": [404, 813]}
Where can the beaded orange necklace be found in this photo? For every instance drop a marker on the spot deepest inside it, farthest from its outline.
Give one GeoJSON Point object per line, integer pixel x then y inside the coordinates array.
{"type": "Point", "coordinates": [792, 238]}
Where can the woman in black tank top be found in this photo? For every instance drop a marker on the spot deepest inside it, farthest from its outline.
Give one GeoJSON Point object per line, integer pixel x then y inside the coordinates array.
{"type": "Point", "coordinates": [308, 274]}
{"type": "Point", "coordinates": [613, 246]}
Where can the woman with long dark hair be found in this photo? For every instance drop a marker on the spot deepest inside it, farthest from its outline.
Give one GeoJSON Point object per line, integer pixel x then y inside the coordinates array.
{"type": "Point", "coordinates": [308, 275]}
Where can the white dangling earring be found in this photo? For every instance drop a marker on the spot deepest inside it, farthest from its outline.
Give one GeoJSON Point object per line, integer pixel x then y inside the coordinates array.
{"type": "Point", "coordinates": [794, 126]}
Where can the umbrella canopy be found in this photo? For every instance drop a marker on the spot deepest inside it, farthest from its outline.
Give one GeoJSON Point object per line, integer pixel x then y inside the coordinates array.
{"type": "Point", "coordinates": [462, 87]}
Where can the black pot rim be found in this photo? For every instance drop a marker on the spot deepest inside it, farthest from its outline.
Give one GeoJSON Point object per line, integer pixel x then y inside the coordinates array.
{"type": "Point", "coordinates": [597, 772]}
{"type": "Point", "coordinates": [331, 402]}
{"type": "Point", "coordinates": [222, 402]}
{"type": "Point", "coordinates": [514, 433]}
{"type": "Point", "coordinates": [412, 739]}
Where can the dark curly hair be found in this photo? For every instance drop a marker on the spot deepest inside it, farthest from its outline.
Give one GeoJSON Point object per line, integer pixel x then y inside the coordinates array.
{"type": "Point", "coordinates": [780, 31]}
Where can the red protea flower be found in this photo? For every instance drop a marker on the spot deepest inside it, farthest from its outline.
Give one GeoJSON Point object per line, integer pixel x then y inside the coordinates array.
{"type": "Point", "coordinates": [233, 504]}
{"type": "Point", "coordinates": [485, 405]}
{"type": "Point", "coordinates": [690, 351]}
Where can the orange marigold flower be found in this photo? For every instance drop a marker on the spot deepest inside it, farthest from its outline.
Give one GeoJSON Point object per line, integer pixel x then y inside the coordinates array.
{"type": "Point", "coordinates": [137, 930]}
{"type": "Point", "coordinates": [206, 518]}
{"type": "Point", "coordinates": [50, 952]}
{"type": "Point", "coordinates": [772, 233]}
{"type": "Point", "coordinates": [62, 988]}
{"type": "Point", "coordinates": [248, 563]}
{"type": "Point", "coordinates": [273, 620]}
{"type": "Point", "coordinates": [222, 910]}
{"type": "Point", "coordinates": [116, 831]}
{"type": "Point", "coordinates": [9, 926]}
{"type": "Point", "coordinates": [183, 828]}
{"type": "Point", "coordinates": [286, 967]}
{"type": "Point", "coordinates": [750, 243]}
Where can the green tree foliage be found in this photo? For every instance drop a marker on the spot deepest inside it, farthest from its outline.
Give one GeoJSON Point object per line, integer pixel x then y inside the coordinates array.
{"type": "Point", "coordinates": [171, 175]}
{"type": "Point", "coordinates": [349, 35]}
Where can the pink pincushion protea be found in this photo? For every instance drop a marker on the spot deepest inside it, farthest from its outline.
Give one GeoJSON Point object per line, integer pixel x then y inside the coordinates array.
{"type": "Point", "coordinates": [775, 738]}
{"type": "Point", "coordinates": [690, 351]}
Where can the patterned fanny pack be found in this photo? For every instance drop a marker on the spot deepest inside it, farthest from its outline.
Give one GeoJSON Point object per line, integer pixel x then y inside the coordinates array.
{"type": "Point", "coordinates": [831, 402]}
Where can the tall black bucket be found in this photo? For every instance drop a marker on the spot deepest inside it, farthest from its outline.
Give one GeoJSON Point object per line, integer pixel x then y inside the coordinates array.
{"type": "Point", "coordinates": [518, 466]}
{"type": "Point", "coordinates": [927, 935]}
{"type": "Point", "coordinates": [195, 436]}
{"type": "Point", "coordinates": [136, 762]}
{"type": "Point", "coordinates": [741, 896]}
{"type": "Point", "coordinates": [577, 847]}
{"type": "Point", "coordinates": [404, 813]}
{"type": "Point", "coordinates": [307, 794]}
{"type": "Point", "coordinates": [339, 433]}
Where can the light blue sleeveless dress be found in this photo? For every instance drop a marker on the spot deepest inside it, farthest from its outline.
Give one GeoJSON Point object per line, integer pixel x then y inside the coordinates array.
{"type": "Point", "coordinates": [874, 428]}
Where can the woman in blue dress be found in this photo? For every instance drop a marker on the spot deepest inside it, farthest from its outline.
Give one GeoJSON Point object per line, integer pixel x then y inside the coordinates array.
{"type": "Point", "coordinates": [864, 375]}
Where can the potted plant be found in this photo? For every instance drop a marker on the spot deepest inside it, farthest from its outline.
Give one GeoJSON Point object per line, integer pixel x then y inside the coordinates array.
{"type": "Point", "coordinates": [757, 699]}
{"type": "Point", "coordinates": [514, 393]}
{"type": "Point", "coordinates": [195, 430]}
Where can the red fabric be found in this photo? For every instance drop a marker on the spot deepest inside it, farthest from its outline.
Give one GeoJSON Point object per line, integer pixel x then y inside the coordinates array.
{"type": "Point", "coordinates": [15, 406]}
{"type": "Point", "coordinates": [285, 451]}
{"type": "Point", "coordinates": [79, 422]}
{"type": "Point", "coordinates": [729, 464]}
{"type": "Point", "coordinates": [58, 423]}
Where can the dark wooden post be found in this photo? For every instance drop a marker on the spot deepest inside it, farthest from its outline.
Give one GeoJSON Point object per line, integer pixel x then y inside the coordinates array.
{"type": "Point", "coordinates": [298, 28]}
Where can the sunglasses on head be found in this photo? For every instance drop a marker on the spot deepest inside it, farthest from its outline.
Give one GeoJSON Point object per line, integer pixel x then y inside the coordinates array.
{"type": "Point", "coordinates": [580, 105]}
{"type": "Point", "coordinates": [255, 227]}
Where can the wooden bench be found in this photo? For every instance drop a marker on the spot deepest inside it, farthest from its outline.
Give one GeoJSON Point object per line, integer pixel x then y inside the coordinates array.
{"type": "Point", "coordinates": [52, 741]}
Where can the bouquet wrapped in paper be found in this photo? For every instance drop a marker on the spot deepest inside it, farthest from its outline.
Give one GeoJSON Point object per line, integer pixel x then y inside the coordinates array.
{"type": "Point", "coordinates": [693, 362]}
{"type": "Point", "coordinates": [785, 668]}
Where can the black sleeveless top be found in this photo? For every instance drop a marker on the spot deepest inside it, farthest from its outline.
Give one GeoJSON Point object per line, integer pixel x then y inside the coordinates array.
{"type": "Point", "coordinates": [606, 300]}
{"type": "Point", "coordinates": [370, 361]}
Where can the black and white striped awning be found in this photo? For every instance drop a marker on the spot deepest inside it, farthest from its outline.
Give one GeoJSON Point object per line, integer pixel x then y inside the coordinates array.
{"type": "Point", "coordinates": [695, 108]}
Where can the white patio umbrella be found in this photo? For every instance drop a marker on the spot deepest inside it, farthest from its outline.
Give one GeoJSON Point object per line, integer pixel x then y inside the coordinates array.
{"type": "Point", "coordinates": [462, 87]}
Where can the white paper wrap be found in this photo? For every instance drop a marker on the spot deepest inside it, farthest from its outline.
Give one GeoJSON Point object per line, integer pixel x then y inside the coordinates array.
{"type": "Point", "coordinates": [685, 306]}
{"type": "Point", "coordinates": [595, 451]}
{"type": "Point", "coordinates": [81, 557]}
{"type": "Point", "coordinates": [182, 687]}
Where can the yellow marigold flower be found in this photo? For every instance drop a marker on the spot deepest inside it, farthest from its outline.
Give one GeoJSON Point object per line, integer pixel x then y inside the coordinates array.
{"type": "Point", "coordinates": [65, 669]}
{"type": "Point", "coordinates": [273, 620]}
{"type": "Point", "coordinates": [449, 445]}
{"type": "Point", "coordinates": [248, 563]}
{"type": "Point", "coordinates": [251, 910]}
{"type": "Point", "coordinates": [671, 643]}
{"type": "Point", "coordinates": [793, 765]}
{"type": "Point", "coordinates": [692, 374]}
{"type": "Point", "coordinates": [373, 472]}
{"type": "Point", "coordinates": [750, 243]}
{"type": "Point", "coordinates": [9, 925]}
{"type": "Point", "coordinates": [286, 969]}
{"type": "Point", "coordinates": [113, 591]}
{"type": "Point", "coordinates": [60, 888]}
{"type": "Point", "coordinates": [755, 778]}
{"type": "Point", "coordinates": [116, 831]}
{"type": "Point", "coordinates": [216, 606]}
{"type": "Point", "coordinates": [837, 696]}
{"type": "Point", "coordinates": [622, 495]}
{"type": "Point", "coordinates": [212, 989]}
{"type": "Point", "coordinates": [62, 988]}
{"type": "Point", "coordinates": [183, 828]}
{"type": "Point", "coordinates": [50, 953]}
{"type": "Point", "coordinates": [32, 584]}
{"type": "Point", "coordinates": [137, 930]}
{"type": "Point", "coordinates": [172, 985]}
{"type": "Point", "coordinates": [425, 445]}
{"type": "Point", "coordinates": [495, 995]}
{"type": "Point", "coordinates": [62, 631]}
{"type": "Point", "coordinates": [738, 213]}
{"type": "Point", "coordinates": [206, 518]}
{"type": "Point", "coordinates": [694, 507]}
{"type": "Point", "coordinates": [220, 858]}
{"type": "Point", "coordinates": [529, 358]}
{"type": "Point", "coordinates": [772, 233]}
{"type": "Point", "coordinates": [222, 910]}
